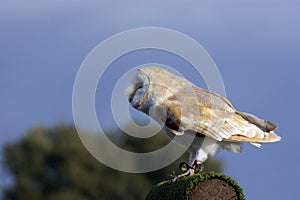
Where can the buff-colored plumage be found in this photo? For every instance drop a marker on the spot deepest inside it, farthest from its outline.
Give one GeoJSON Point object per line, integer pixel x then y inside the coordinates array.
{"type": "Point", "coordinates": [181, 107]}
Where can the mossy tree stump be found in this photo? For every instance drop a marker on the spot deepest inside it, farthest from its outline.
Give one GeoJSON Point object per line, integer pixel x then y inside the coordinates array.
{"type": "Point", "coordinates": [205, 186]}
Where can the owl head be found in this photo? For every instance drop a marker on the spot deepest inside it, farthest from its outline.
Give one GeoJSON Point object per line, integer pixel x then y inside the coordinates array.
{"type": "Point", "coordinates": [152, 85]}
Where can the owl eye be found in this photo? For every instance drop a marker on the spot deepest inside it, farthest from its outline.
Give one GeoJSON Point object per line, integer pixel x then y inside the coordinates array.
{"type": "Point", "coordinates": [139, 87]}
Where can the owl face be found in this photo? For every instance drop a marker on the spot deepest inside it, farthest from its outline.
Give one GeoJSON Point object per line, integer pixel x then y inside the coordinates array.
{"type": "Point", "coordinates": [139, 90]}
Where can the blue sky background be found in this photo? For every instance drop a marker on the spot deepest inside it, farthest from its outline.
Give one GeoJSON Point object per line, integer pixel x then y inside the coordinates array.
{"type": "Point", "coordinates": [255, 44]}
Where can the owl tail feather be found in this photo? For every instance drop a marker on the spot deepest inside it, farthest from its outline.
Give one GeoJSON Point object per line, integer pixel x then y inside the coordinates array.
{"type": "Point", "coordinates": [262, 132]}
{"type": "Point", "coordinates": [264, 125]}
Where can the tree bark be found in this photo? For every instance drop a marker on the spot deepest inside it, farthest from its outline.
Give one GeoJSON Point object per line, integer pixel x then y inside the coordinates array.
{"type": "Point", "coordinates": [205, 186]}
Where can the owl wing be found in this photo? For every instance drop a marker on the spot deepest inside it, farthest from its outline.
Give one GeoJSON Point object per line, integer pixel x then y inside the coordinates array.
{"type": "Point", "coordinates": [212, 115]}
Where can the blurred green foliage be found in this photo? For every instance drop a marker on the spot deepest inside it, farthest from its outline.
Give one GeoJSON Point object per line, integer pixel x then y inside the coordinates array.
{"type": "Point", "coordinates": [52, 163]}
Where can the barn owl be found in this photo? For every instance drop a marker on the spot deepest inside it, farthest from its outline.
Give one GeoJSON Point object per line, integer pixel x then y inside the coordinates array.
{"type": "Point", "coordinates": [185, 109]}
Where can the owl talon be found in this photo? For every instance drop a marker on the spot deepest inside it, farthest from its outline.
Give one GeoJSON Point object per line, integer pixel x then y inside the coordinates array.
{"type": "Point", "coordinates": [188, 172]}
{"type": "Point", "coordinates": [197, 166]}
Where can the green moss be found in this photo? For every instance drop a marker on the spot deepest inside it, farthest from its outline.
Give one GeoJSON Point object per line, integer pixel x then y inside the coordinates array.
{"type": "Point", "coordinates": [182, 188]}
